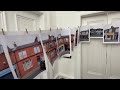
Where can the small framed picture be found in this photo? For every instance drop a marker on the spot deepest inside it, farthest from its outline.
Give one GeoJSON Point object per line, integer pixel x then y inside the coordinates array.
{"type": "Point", "coordinates": [84, 35]}
{"type": "Point", "coordinates": [111, 33]}
{"type": "Point", "coordinates": [96, 31]}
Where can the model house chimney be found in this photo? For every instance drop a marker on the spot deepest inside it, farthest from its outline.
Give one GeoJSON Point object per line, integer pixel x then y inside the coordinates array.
{"type": "Point", "coordinates": [36, 39]}
{"type": "Point", "coordinates": [49, 37]}
{"type": "Point", "coordinates": [15, 45]}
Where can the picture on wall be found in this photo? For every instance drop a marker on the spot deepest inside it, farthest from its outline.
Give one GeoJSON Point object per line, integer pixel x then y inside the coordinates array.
{"type": "Point", "coordinates": [111, 33]}
{"type": "Point", "coordinates": [50, 44]}
{"type": "Point", "coordinates": [96, 31]}
{"type": "Point", "coordinates": [26, 54]}
{"type": "Point", "coordinates": [84, 35]}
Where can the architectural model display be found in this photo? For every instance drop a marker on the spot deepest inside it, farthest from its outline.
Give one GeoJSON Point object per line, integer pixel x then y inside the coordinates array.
{"type": "Point", "coordinates": [96, 31]}
{"type": "Point", "coordinates": [111, 34]}
{"type": "Point", "coordinates": [26, 55]}
{"type": "Point", "coordinates": [84, 35]}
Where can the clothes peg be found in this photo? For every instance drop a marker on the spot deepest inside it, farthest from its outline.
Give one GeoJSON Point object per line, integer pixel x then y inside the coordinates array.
{"type": "Point", "coordinates": [26, 31]}
{"type": "Point", "coordinates": [40, 29]}
{"type": "Point", "coordinates": [3, 31]}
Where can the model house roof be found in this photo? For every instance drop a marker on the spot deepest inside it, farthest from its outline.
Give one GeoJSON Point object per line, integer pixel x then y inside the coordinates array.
{"type": "Point", "coordinates": [110, 28]}
{"type": "Point", "coordinates": [36, 42]}
{"type": "Point", "coordinates": [20, 40]}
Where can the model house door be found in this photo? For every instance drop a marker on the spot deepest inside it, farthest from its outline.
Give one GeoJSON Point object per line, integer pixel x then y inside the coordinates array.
{"type": "Point", "coordinates": [100, 60]}
{"type": "Point", "coordinates": [94, 52]}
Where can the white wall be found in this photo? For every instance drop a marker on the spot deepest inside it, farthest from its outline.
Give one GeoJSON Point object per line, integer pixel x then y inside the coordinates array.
{"type": "Point", "coordinates": [67, 19]}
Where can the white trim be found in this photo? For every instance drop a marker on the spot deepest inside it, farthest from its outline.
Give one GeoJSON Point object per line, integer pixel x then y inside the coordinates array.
{"type": "Point", "coordinates": [16, 22]}
{"type": "Point", "coordinates": [4, 21]}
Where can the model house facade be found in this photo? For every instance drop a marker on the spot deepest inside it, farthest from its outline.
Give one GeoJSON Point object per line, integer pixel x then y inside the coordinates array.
{"type": "Point", "coordinates": [50, 46]}
{"type": "Point", "coordinates": [64, 44]}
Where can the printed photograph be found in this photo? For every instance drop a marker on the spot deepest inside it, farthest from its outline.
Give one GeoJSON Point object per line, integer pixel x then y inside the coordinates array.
{"type": "Point", "coordinates": [111, 34]}
{"type": "Point", "coordinates": [50, 45]}
{"type": "Point", "coordinates": [64, 42]}
{"type": "Point", "coordinates": [26, 54]}
{"type": "Point", "coordinates": [74, 37]}
{"type": "Point", "coordinates": [84, 35]}
{"type": "Point", "coordinates": [96, 31]}
{"type": "Point", "coordinates": [5, 71]}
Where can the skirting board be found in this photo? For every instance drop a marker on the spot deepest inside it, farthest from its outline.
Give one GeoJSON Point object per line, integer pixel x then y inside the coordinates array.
{"type": "Point", "coordinates": [63, 76]}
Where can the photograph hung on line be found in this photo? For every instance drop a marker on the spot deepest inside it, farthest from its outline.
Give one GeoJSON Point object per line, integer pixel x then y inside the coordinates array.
{"type": "Point", "coordinates": [111, 33]}
{"type": "Point", "coordinates": [50, 44]}
{"type": "Point", "coordinates": [96, 31]}
{"type": "Point", "coordinates": [27, 53]}
{"type": "Point", "coordinates": [84, 35]}
{"type": "Point", "coordinates": [5, 71]}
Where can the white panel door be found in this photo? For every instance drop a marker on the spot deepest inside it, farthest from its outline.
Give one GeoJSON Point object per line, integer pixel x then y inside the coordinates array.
{"type": "Point", "coordinates": [94, 53]}
{"type": "Point", "coordinates": [113, 52]}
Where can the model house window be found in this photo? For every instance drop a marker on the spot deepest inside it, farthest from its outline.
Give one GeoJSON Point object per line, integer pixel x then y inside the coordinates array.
{"type": "Point", "coordinates": [66, 39]}
{"type": "Point", "coordinates": [22, 55]}
{"type": "Point", "coordinates": [36, 50]}
{"type": "Point", "coordinates": [27, 65]}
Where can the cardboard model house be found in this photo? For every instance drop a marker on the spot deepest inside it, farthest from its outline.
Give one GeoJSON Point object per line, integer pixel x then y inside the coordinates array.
{"type": "Point", "coordinates": [84, 35]}
{"type": "Point", "coordinates": [50, 45]}
{"type": "Point", "coordinates": [96, 31]}
{"type": "Point", "coordinates": [111, 34]}
{"type": "Point", "coordinates": [26, 54]}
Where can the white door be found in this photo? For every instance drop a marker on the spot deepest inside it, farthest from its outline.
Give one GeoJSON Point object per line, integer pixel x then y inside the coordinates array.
{"type": "Point", "coordinates": [100, 60]}
{"type": "Point", "coordinates": [94, 53]}
{"type": "Point", "coordinates": [113, 52]}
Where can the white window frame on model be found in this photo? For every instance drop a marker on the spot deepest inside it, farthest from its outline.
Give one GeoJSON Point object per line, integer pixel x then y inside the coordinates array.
{"type": "Point", "coordinates": [22, 54]}
{"type": "Point", "coordinates": [36, 49]}
{"type": "Point", "coordinates": [27, 65]}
